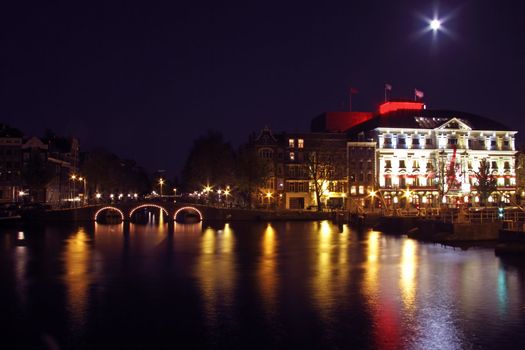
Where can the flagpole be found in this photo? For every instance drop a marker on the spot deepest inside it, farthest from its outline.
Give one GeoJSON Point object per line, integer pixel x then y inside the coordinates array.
{"type": "Point", "coordinates": [350, 100]}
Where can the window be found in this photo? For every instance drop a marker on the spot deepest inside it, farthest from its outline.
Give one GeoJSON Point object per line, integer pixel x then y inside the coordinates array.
{"type": "Point", "coordinates": [428, 142]}
{"type": "Point", "coordinates": [388, 181]}
{"type": "Point", "coordinates": [297, 186]}
{"type": "Point", "coordinates": [402, 141]}
{"type": "Point", "coordinates": [494, 165]}
{"type": "Point", "coordinates": [266, 153]}
{"type": "Point", "coordinates": [291, 143]}
{"type": "Point", "coordinates": [402, 164]}
{"type": "Point", "coordinates": [300, 143]}
{"type": "Point", "coordinates": [415, 141]}
{"type": "Point", "coordinates": [453, 141]}
{"type": "Point", "coordinates": [388, 164]}
{"type": "Point", "coordinates": [361, 189]}
{"type": "Point", "coordinates": [507, 166]}
{"type": "Point", "coordinates": [292, 156]}
{"type": "Point", "coordinates": [415, 165]}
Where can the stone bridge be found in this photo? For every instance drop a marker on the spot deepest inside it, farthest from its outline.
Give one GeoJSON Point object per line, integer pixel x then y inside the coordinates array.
{"type": "Point", "coordinates": [126, 210]}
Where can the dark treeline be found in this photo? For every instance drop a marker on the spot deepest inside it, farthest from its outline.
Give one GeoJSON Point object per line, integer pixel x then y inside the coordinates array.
{"type": "Point", "coordinates": [213, 162]}
{"type": "Point", "coordinates": [108, 173]}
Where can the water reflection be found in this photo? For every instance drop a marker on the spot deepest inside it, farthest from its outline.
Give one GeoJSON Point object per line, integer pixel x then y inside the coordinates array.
{"type": "Point", "coordinates": [382, 307]}
{"type": "Point", "coordinates": [216, 275]}
{"type": "Point", "coordinates": [407, 282]}
{"type": "Point", "coordinates": [20, 266]}
{"type": "Point", "coordinates": [312, 284]}
{"type": "Point", "coordinates": [78, 277]}
{"type": "Point", "coordinates": [332, 272]}
{"type": "Point", "coordinates": [267, 270]}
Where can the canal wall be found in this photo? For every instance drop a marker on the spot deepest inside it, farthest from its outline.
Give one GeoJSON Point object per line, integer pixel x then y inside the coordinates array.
{"type": "Point", "coordinates": [438, 231]}
{"type": "Point", "coordinates": [511, 243]}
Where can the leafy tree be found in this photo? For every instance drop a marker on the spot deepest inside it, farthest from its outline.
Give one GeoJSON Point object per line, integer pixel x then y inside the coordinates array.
{"type": "Point", "coordinates": [251, 172]}
{"type": "Point", "coordinates": [210, 162]}
{"type": "Point", "coordinates": [487, 183]}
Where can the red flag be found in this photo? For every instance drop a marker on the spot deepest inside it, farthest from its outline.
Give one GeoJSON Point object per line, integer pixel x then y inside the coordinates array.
{"type": "Point", "coordinates": [419, 93]}
{"type": "Point", "coordinates": [388, 87]}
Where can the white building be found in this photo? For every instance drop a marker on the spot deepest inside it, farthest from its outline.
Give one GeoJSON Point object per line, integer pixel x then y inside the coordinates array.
{"type": "Point", "coordinates": [423, 156]}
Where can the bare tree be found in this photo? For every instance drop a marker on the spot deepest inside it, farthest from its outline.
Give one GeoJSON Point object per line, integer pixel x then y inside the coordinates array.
{"type": "Point", "coordinates": [323, 166]}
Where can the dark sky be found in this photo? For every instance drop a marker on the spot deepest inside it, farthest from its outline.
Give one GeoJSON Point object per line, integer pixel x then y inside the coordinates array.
{"type": "Point", "coordinates": [144, 80]}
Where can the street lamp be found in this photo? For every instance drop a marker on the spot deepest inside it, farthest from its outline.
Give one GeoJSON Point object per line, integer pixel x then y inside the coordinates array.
{"type": "Point", "coordinates": [269, 196]}
{"type": "Point", "coordinates": [161, 183]}
{"type": "Point", "coordinates": [83, 179]}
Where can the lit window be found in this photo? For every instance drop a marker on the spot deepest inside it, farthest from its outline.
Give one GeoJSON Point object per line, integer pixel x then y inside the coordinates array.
{"type": "Point", "coordinates": [361, 189]}
{"type": "Point", "coordinates": [291, 143]}
{"type": "Point", "coordinates": [300, 143]}
{"type": "Point", "coordinates": [292, 156]}
{"type": "Point", "coordinates": [353, 190]}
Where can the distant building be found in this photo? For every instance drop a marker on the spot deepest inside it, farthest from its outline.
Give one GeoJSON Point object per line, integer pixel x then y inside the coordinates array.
{"type": "Point", "coordinates": [10, 163]}
{"type": "Point", "coordinates": [50, 163]}
{"type": "Point", "coordinates": [299, 161]}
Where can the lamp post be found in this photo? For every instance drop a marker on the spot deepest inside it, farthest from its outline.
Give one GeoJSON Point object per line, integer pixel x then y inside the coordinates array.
{"type": "Point", "coordinates": [161, 183]}
{"type": "Point", "coordinates": [83, 180]}
{"type": "Point", "coordinates": [73, 178]}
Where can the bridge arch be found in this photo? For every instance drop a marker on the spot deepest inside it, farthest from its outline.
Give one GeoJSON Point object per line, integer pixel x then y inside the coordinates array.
{"type": "Point", "coordinates": [190, 209]}
{"type": "Point", "coordinates": [108, 208]}
{"type": "Point", "coordinates": [148, 205]}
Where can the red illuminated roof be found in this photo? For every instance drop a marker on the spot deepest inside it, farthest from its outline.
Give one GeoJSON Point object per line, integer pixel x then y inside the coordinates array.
{"type": "Point", "coordinates": [392, 106]}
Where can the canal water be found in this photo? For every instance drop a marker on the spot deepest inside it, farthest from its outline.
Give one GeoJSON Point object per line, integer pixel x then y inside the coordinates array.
{"type": "Point", "coordinates": [252, 285]}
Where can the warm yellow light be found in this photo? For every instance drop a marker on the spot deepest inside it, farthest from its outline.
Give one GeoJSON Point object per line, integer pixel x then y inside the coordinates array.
{"type": "Point", "coordinates": [80, 179]}
{"type": "Point", "coordinates": [161, 181]}
{"type": "Point", "coordinates": [226, 192]}
{"type": "Point", "coordinates": [372, 193]}
{"type": "Point", "coordinates": [98, 195]}
{"type": "Point", "coordinates": [73, 177]}
{"type": "Point", "coordinates": [268, 195]}
{"type": "Point", "coordinates": [407, 193]}
{"type": "Point", "coordinates": [207, 189]}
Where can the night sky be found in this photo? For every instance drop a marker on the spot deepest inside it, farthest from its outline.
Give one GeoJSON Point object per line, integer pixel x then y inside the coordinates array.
{"type": "Point", "coordinates": [144, 80]}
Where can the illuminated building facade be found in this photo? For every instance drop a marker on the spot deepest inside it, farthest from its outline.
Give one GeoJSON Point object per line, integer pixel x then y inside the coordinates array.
{"type": "Point", "coordinates": [299, 162]}
{"type": "Point", "coordinates": [424, 157]}
{"type": "Point", "coordinates": [405, 154]}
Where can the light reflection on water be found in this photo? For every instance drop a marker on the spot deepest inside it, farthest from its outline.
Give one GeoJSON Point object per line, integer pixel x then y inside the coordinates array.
{"type": "Point", "coordinates": [360, 288]}
{"type": "Point", "coordinates": [267, 271]}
